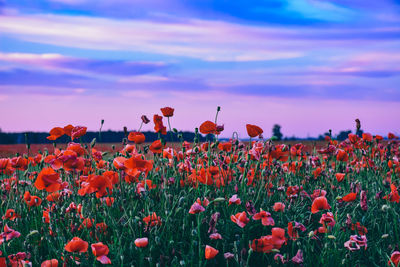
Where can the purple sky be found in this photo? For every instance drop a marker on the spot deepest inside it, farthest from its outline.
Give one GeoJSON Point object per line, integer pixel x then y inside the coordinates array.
{"type": "Point", "coordinates": [307, 65]}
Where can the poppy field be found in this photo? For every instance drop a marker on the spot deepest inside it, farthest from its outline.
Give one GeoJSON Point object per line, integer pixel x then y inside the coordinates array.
{"type": "Point", "coordinates": [214, 203]}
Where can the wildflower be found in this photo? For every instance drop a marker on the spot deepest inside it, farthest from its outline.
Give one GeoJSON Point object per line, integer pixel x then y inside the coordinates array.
{"type": "Point", "coordinates": [234, 200]}
{"type": "Point", "coordinates": [342, 156]}
{"type": "Point", "coordinates": [196, 208]}
{"type": "Point", "coordinates": [68, 130]}
{"type": "Point", "coordinates": [253, 130]}
{"type": "Point", "coordinates": [100, 251]}
{"type": "Point", "coordinates": [50, 263]}
{"type": "Point", "coordinates": [55, 133]}
{"type": "Point", "coordinates": [356, 242]}
{"type": "Point", "coordinates": [8, 234]}
{"type": "Point", "coordinates": [320, 203]}
{"type": "Point", "coordinates": [152, 220]}
{"type": "Point", "coordinates": [279, 206]}
{"type": "Point", "coordinates": [98, 184]}
{"type": "Point", "coordinates": [240, 219]}
{"type": "Point", "coordinates": [136, 137]}
{"type": "Point", "coordinates": [48, 180]}
{"type": "Point", "coordinates": [265, 217]}
{"type": "Point", "coordinates": [394, 258]}
{"type": "Point", "coordinates": [339, 176]}
{"type": "Point", "coordinates": [298, 259]}
{"type": "Point", "coordinates": [349, 197]}
{"type": "Point", "coordinates": [215, 236]}
{"type": "Point", "coordinates": [210, 252]}
{"type": "Point", "coordinates": [77, 245]}
{"type": "Point", "coordinates": [158, 125]}
{"type": "Point", "coordinates": [367, 137]}
{"type": "Point", "coordinates": [78, 131]}
{"type": "Point", "coordinates": [265, 244]}
{"type": "Point", "coordinates": [208, 127]}
{"type": "Point", "coordinates": [293, 230]}
{"type": "Point", "coordinates": [156, 147]}
{"type": "Point", "coordinates": [363, 200]}
{"type": "Point", "coordinates": [141, 242]}
{"type": "Point", "coordinates": [167, 112]}
{"type": "Point", "coordinates": [11, 215]}
{"type": "Point", "coordinates": [392, 136]}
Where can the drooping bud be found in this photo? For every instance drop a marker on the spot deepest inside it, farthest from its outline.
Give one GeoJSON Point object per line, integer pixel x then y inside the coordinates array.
{"type": "Point", "coordinates": [145, 119]}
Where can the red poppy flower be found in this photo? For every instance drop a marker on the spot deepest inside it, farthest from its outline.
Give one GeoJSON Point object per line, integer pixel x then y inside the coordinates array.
{"type": "Point", "coordinates": [253, 130]}
{"type": "Point", "coordinates": [279, 206]}
{"type": "Point", "coordinates": [48, 180]}
{"type": "Point", "coordinates": [78, 131]}
{"type": "Point", "coordinates": [50, 263]}
{"type": "Point", "coordinates": [234, 200]}
{"type": "Point", "coordinates": [265, 244]}
{"type": "Point", "coordinates": [100, 251]}
{"type": "Point", "coordinates": [77, 245]}
{"type": "Point", "coordinates": [265, 217]}
{"type": "Point", "coordinates": [240, 219]}
{"type": "Point", "coordinates": [152, 220]}
{"type": "Point", "coordinates": [392, 136]}
{"type": "Point", "coordinates": [96, 183]}
{"type": "Point", "coordinates": [367, 137]}
{"type": "Point", "coordinates": [339, 176]}
{"type": "Point", "coordinates": [167, 112]}
{"type": "Point", "coordinates": [349, 197]}
{"type": "Point", "coordinates": [196, 208]}
{"type": "Point", "coordinates": [136, 137]}
{"type": "Point", "coordinates": [210, 252]}
{"type": "Point", "coordinates": [156, 147]}
{"type": "Point", "coordinates": [158, 125]}
{"type": "Point", "coordinates": [141, 242]}
{"type": "Point", "coordinates": [136, 163]}
{"type": "Point", "coordinates": [208, 127]}
{"type": "Point", "coordinates": [55, 133]}
{"type": "Point", "coordinates": [342, 156]}
{"type": "Point", "coordinates": [11, 215]}
{"type": "Point", "coordinates": [119, 163]}
{"type": "Point", "coordinates": [395, 258]}
{"type": "Point", "coordinates": [320, 203]}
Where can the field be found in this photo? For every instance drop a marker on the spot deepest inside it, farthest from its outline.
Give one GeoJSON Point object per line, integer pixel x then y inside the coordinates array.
{"type": "Point", "coordinates": [257, 203]}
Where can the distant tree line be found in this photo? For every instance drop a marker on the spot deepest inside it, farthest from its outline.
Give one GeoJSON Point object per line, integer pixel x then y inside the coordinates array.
{"type": "Point", "coordinates": [105, 137]}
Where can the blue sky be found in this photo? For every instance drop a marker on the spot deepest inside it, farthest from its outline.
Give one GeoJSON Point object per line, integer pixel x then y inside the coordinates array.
{"type": "Point", "coordinates": [306, 64]}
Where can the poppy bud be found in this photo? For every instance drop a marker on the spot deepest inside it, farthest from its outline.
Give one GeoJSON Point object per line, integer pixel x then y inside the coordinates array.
{"type": "Point", "coordinates": [102, 122]}
{"type": "Point", "coordinates": [93, 143]}
{"type": "Point", "coordinates": [175, 130]}
{"type": "Point", "coordinates": [218, 108]}
{"type": "Point", "coordinates": [145, 120]}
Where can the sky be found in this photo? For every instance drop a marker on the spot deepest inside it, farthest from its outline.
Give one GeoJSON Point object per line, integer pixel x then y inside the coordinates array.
{"type": "Point", "coordinates": [307, 65]}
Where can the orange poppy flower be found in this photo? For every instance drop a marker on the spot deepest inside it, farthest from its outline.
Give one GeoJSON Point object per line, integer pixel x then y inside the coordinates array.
{"type": "Point", "coordinates": [55, 133]}
{"type": "Point", "coordinates": [158, 125]}
{"type": "Point", "coordinates": [225, 146]}
{"type": "Point", "coordinates": [50, 263]}
{"type": "Point", "coordinates": [78, 131]}
{"type": "Point", "coordinates": [392, 136]}
{"type": "Point", "coordinates": [340, 176]}
{"type": "Point", "coordinates": [208, 127]}
{"type": "Point", "coordinates": [210, 252]}
{"type": "Point", "coordinates": [253, 130]}
{"type": "Point", "coordinates": [141, 242]}
{"type": "Point", "coordinates": [156, 147]}
{"type": "Point", "coordinates": [77, 245]}
{"type": "Point", "coordinates": [349, 197]}
{"type": "Point", "coordinates": [48, 180]}
{"type": "Point", "coordinates": [319, 203]}
{"type": "Point", "coordinates": [240, 219]}
{"type": "Point", "coordinates": [136, 137]}
{"type": "Point", "coordinates": [167, 112]}
{"type": "Point", "coordinates": [100, 251]}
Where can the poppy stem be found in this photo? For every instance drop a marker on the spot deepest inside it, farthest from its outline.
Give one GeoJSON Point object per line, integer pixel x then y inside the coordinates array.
{"type": "Point", "coordinates": [141, 124]}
